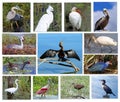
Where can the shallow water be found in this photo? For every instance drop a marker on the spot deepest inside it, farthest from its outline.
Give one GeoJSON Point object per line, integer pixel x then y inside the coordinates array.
{"type": "Point", "coordinates": [47, 97]}
{"type": "Point", "coordinates": [98, 92]}
{"type": "Point", "coordinates": [51, 41]}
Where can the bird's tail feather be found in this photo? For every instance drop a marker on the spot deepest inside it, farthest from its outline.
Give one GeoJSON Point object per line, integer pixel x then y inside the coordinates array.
{"type": "Point", "coordinates": [113, 94]}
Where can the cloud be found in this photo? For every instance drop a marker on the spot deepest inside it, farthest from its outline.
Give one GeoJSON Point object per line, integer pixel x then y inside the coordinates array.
{"type": "Point", "coordinates": [112, 25]}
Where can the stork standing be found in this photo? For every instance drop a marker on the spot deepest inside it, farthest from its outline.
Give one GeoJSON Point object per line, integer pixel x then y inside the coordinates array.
{"type": "Point", "coordinates": [104, 41]}
{"type": "Point", "coordinates": [15, 19]}
{"type": "Point", "coordinates": [45, 21]}
{"type": "Point", "coordinates": [75, 18]}
{"type": "Point", "coordinates": [103, 21]}
{"type": "Point", "coordinates": [44, 89]}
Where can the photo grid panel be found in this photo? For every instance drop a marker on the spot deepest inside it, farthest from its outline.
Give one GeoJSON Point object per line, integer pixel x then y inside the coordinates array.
{"type": "Point", "coordinates": [59, 50]}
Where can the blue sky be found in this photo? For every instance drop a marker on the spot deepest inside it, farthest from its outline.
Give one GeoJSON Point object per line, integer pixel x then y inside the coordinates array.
{"type": "Point", "coordinates": [98, 6]}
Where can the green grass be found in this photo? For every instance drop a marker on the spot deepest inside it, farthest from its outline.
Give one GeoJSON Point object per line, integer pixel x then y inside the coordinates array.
{"type": "Point", "coordinates": [67, 89]}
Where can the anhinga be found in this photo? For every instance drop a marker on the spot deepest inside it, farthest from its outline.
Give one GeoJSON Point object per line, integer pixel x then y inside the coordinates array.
{"type": "Point", "coordinates": [62, 54]}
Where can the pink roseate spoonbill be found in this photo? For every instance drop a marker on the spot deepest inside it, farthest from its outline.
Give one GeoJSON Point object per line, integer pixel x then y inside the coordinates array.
{"type": "Point", "coordinates": [12, 90]}
{"type": "Point", "coordinates": [44, 89]}
{"type": "Point", "coordinates": [103, 21]}
{"type": "Point", "coordinates": [15, 19]}
{"type": "Point", "coordinates": [61, 53]}
{"type": "Point", "coordinates": [15, 46]}
{"type": "Point", "coordinates": [45, 20]}
{"type": "Point", "coordinates": [106, 88]}
{"type": "Point", "coordinates": [75, 18]}
{"type": "Point", "coordinates": [104, 41]}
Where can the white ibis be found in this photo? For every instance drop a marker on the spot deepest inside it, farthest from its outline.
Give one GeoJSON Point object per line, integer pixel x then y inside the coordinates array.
{"type": "Point", "coordinates": [12, 90]}
{"type": "Point", "coordinates": [44, 89]}
{"type": "Point", "coordinates": [45, 20]}
{"type": "Point", "coordinates": [104, 41]}
{"type": "Point", "coordinates": [106, 88]}
{"type": "Point", "coordinates": [16, 46]}
{"type": "Point", "coordinates": [75, 18]}
{"type": "Point", "coordinates": [103, 21]}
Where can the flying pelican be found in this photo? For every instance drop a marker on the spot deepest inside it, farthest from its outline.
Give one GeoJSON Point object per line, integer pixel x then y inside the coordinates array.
{"type": "Point", "coordinates": [75, 18]}
{"type": "Point", "coordinates": [45, 20]}
{"type": "Point", "coordinates": [12, 90]}
{"type": "Point", "coordinates": [61, 53]}
{"type": "Point", "coordinates": [104, 41]}
{"type": "Point", "coordinates": [15, 46]}
{"type": "Point", "coordinates": [103, 21]}
{"type": "Point", "coordinates": [16, 19]}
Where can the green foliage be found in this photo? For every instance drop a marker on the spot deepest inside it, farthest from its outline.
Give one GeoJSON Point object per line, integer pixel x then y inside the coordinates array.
{"type": "Point", "coordinates": [67, 89]}
{"type": "Point", "coordinates": [26, 15]}
{"type": "Point", "coordinates": [86, 15]}
{"type": "Point", "coordinates": [40, 81]}
{"type": "Point", "coordinates": [40, 9]}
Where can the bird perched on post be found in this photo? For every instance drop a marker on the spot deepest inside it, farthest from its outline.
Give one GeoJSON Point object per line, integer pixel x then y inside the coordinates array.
{"type": "Point", "coordinates": [106, 88]}
{"type": "Point", "coordinates": [44, 89]}
{"type": "Point", "coordinates": [12, 90]}
{"type": "Point", "coordinates": [104, 41]}
{"type": "Point", "coordinates": [103, 21]}
{"type": "Point", "coordinates": [45, 21]}
{"type": "Point", "coordinates": [75, 18]}
{"type": "Point", "coordinates": [16, 19]}
{"type": "Point", "coordinates": [61, 53]}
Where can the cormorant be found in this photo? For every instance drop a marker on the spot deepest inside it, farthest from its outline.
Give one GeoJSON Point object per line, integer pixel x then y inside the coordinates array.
{"type": "Point", "coordinates": [106, 88]}
{"type": "Point", "coordinates": [103, 21]}
{"type": "Point", "coordinates": [61, 54]}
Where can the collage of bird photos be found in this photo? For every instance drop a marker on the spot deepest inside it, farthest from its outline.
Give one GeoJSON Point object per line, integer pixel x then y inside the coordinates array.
{"type": "Point", "coordinates": [61, 49]}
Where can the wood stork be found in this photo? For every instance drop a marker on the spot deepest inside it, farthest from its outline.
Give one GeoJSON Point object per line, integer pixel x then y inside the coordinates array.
{"type": "Point", "coordinates": [12, 90]}
{"type": "Point", "coordinates": [104, 41]}
{"type": "Point", "coordinates": [103, 21]}
{"type": "Point", "coordinates": [106, 88]}
{"type": "Point", "coordinates": [15, 19]}
{"type": "Point", "coordinates": [15, 46]}
{"type": "Point", "coordinates": [75, 18]}
{"type": "Point", "coordinates": [45, 20]}
{"type": "Point", "coordinates": [61, 53]}
{"type": "Point", "coordinates": [44, 89]}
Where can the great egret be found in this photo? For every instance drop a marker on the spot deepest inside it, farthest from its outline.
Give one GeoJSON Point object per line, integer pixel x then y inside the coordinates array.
{"type": "Point", "coordinates": [99, 66]}
{"type": "Point", "coordinates": [16, 19]}
{"type": "Point", "coordinates": [61, 53]}
{"type": "Point", "coordinates": [12, 90]}
{"type": "Point", "coordinates": [106, 88]}
{"type": "Point", "coordinates": [44, 89]}
{"type": "Point", "coordinates": [15, 46]}
{"type": "Point", "coordinates": [45, 20]}
{"type": "Point", "coordinates": [75, 18]}
{"type": "Point", "coordinates": [103, 21]}
{"type": "Point", "coordinates": [104, 41]}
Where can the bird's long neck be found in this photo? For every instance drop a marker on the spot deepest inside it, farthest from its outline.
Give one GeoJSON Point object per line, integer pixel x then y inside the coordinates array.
{"type": "Point", "coordinates": [13, 9]}
{"type": "Point", "coordinates": [61, 46]}
{"type": "Point", "coordinates": [16, 84]}
{"type": "Point", "coordinates": [107, 15]}
{"type": "Point", "coordinates": [21, 42]}
{"type": "Point", "coordinates": [94, 39]}
{"type": "Point", "coordinates": [23, 66]}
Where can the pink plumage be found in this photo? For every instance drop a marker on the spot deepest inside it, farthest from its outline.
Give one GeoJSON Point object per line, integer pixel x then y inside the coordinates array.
{"type": "Point", "coordinates": [42, 91]}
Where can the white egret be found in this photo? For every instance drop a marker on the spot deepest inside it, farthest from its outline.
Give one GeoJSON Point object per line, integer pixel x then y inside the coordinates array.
{"type": "Point", "coordinates": [12, 90]}
{"type": "Point", "coordinates": [104, 41]}
{"type": "Point", "coordinates": [45, 20]}
{"type": "Point", "coordinates": [75, 18]}
{"type": "Point", "coordinates": [103, 21]}
{"type": "Point", "coordinates": [15, 46]}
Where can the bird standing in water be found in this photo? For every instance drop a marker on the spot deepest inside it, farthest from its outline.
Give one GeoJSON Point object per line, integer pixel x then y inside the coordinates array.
{"type": "Point", "coordinates": [106, 88]}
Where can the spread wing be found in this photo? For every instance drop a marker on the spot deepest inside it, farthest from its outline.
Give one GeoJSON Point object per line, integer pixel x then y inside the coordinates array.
{"type": "Point", "coordinates": [49, 53]}
{"type": "Point", "coordinates": [72, 54]}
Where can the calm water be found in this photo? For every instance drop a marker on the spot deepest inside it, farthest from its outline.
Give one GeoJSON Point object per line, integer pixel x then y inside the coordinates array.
{"type": "Point", "coordinates": [95, 48]}
{"type": "Point", "coordinates": [98, 92]}
{"type": "Point", "coordinates": [51, 41]}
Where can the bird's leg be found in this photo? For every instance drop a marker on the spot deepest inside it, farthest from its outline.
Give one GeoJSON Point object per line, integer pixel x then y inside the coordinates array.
{"type": "Point", "coordinates": [17, 24]}
{"type": "Point", "coordinates": [76, 69]}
